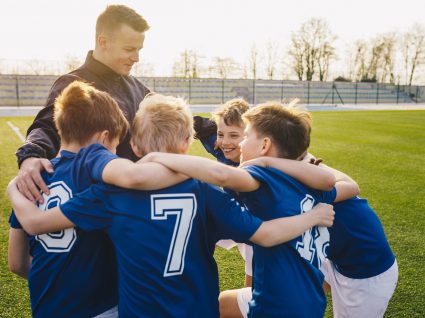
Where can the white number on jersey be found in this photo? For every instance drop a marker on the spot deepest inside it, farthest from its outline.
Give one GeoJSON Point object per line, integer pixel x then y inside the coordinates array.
{"type": "Point", "coordinates": [61, 241]}
{"type": "Point", "coordinates": [183, 206]}
{"type": "Point", "coordinates": [315, 240]}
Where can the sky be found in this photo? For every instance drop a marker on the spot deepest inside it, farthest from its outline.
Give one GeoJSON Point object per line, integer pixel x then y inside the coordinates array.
{"type": "Point", "coordinates": [56, 29]}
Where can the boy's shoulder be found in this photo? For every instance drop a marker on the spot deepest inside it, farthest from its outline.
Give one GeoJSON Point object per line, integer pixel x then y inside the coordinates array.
{"type": "Point", "coordinates": [280, 183]}
{"type": "Point", "coordinates": [268, 174]}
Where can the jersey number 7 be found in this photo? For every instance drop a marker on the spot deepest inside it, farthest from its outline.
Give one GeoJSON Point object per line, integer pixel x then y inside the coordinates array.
{"type": "Point", "coordinates": [183, 207]}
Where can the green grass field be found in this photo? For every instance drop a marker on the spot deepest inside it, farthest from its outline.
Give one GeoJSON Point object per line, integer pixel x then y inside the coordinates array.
{"type": "Point", "coordinates": [383, 151]}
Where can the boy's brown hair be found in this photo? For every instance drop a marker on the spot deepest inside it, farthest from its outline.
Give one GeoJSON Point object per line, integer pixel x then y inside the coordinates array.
{"type": "Point", "coordinates": [231, 112]}
{"type": "Point", "coordinates": [162, 123]}
{"type": "Point", "coordinates": [116, 15]}
{"type": "Point", "coordinates": [288, 128]}
{"type": "Point", "coordinates": [81, 110]}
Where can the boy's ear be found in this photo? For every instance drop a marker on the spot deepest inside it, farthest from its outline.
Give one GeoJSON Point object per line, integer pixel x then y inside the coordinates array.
{"type": "Point", "coordinates": [104, 137]}
{"type": "Point", "coordinates": [185, 145]}
{"type": "Point", "coordinates": [136, 149]}
{"type": "Point", "coordinates": [266, 146]}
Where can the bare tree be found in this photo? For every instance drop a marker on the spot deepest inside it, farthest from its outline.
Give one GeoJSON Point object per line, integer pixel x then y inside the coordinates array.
{"type": "Point", "coordinates": [253, 61]}
{"type": "Point", "coordinates": [360, 55]}
{"type": "Point", "coordinates": [374, 59]}
{"type": "Point", "coordinates": [271, 59]}
{"type": "Point", "coordinates": [188, 64]}
{"type": "Point", "coordinates": [223, 67]}
{"type": "Point", "coordinates": [413, 50]}
{"type": "Point", "coordinates": [389, 42]}
{"type": "Point", "coordinates": [297, 51]}
{"type": "Point", "coordinates": [312, 49]}
{"type": "Point", "coordinates": [326, 53]}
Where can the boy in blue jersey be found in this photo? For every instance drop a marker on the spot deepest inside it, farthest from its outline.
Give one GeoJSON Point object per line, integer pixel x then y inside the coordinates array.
{"type": "Point", "coordinates": [287, 279]}
{"type": "Point", "coordinates": [360, 267]}
{"type": "Point", "coordinates": [224, 144]}
{"type": "Point", "coordinates": [72, 273]}
{"type": "Point", "coordinates": [164, 240]}
{"type": "Point", "coordinates": [221, 138]}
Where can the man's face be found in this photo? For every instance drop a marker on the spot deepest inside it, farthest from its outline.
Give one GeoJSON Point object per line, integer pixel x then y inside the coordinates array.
{"type": "Point", "coordinates": [121, 49]}
{"type": "Point", "coordinates": [252, 144]}
{"type": "Point", "coordinates": [228, 140]}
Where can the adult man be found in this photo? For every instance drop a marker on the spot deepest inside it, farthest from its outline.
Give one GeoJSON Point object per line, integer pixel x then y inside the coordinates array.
{"type": "Point", "coordinates": [120, 33]}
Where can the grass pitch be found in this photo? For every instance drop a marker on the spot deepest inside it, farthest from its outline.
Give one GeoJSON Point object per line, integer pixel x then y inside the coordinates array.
{"type": "Point", "coordinates": [383, 151]}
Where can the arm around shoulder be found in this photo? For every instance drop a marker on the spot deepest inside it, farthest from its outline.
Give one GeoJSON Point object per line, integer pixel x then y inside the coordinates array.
{"type": "Point", "coordinates": [207, 170]}
{"type": "Point", "coordinates": [141, 176]}
{"type": "Point", "coordinates": [284, 229]}
{"type": "Point", "coordinates": [33, 219]}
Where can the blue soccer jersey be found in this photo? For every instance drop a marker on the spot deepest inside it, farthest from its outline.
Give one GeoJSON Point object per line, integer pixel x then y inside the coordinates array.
{"type": "Point", "coordinates": [287, 281]}
{"type": "Point", "coordinates": [73, 272]}
{"type": "Point", "coordinates": [164, 242]}
{"type": "Point", "coordinates": [358, 246]}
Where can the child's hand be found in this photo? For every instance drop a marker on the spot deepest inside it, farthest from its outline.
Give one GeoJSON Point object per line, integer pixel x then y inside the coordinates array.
{"type": "Point", "coordinates": [325, 214]}
{"type": "Point", "coordinates": [312, 159]}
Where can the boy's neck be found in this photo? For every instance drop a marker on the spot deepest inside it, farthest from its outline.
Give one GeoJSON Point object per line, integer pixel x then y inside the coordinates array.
{"type": "Point", "coordinates": [71, 147]}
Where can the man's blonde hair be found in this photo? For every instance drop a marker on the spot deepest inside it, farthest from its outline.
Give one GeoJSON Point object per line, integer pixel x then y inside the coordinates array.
{"type": "Point", "coordinates": [162, 123]}
{"type": "Point", "coordinates": [288, 128]}
{"type": "Point", "coordinates": [231, 112]}
{"type": "Point", "coordinates": [114, 16]}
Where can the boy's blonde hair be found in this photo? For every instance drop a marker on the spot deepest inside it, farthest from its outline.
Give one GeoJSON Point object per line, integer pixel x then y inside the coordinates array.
{"type": "Point", "coordinates": [81, 111]}
{"type": "Point", "coordinates": [288, 128]}
{"type": "Point", "coordinates": [231, 112]}
{"type": "Point", "coordinates": [162, 123]}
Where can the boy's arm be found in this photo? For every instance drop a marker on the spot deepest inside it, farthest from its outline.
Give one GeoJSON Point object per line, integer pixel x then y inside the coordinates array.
{"type": "Point", "coordinates": [346, 188]}
{"type": "Point", "coordinates": [34, 220]}
{"type": "Point", "coordinates": [142, 176]}
{"type": "Point", "coordinates": [309, 175]}
{"type": "Point", "coordinates": [19, 258]}
{"type": "Point", "coordinates": [284, 229]}
{"type": "Point", "coordinates": [207, 170]}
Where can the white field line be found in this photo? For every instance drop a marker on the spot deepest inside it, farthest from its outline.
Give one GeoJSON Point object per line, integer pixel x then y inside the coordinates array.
{"type": "Point", "coordinates": [16, 131]}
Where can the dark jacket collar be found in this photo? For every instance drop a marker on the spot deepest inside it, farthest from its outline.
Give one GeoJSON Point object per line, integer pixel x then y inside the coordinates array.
{"type": "Point", "coordinates": [99, 68]}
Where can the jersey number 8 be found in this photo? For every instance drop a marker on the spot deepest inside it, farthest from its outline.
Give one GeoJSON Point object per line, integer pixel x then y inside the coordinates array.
{"type": "Point", "coordinates": [61, 241]}
{"type": "Point", "coordinates": [315, 240]}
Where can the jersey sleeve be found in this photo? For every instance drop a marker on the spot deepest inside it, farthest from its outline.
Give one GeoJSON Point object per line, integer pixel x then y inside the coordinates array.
{"type": "Point", "coordinates": [326, 196]}
{"type": "Point", "coordinates": [256, 172]}
{"type": "Point", "coordinates": [96, 157]}
{"type": "Point", "coordinates": [229, 218]}
{"type": "Point", "coordinates": [14, 222]}
{"type": "Point", "coordinates": [87, 209]}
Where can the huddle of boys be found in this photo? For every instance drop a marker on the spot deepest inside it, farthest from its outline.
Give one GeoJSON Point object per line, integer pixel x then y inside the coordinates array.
{"type": "Point", "coordinates": [163, 238]}
{"type": "Point", "coordinates": [137, 240]}
{"type": "Point", "coordinates": [200, 215]}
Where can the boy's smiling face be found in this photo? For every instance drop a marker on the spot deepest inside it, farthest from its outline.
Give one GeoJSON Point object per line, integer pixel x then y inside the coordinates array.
{"type": "Point", "coordinates": [252, 144]}
{"type": "Point", "coordinates": [229, 138]}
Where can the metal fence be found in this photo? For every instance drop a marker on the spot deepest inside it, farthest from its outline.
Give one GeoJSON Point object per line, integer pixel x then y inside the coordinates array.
{"type": "Point", "coordinates": [32, 90]}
